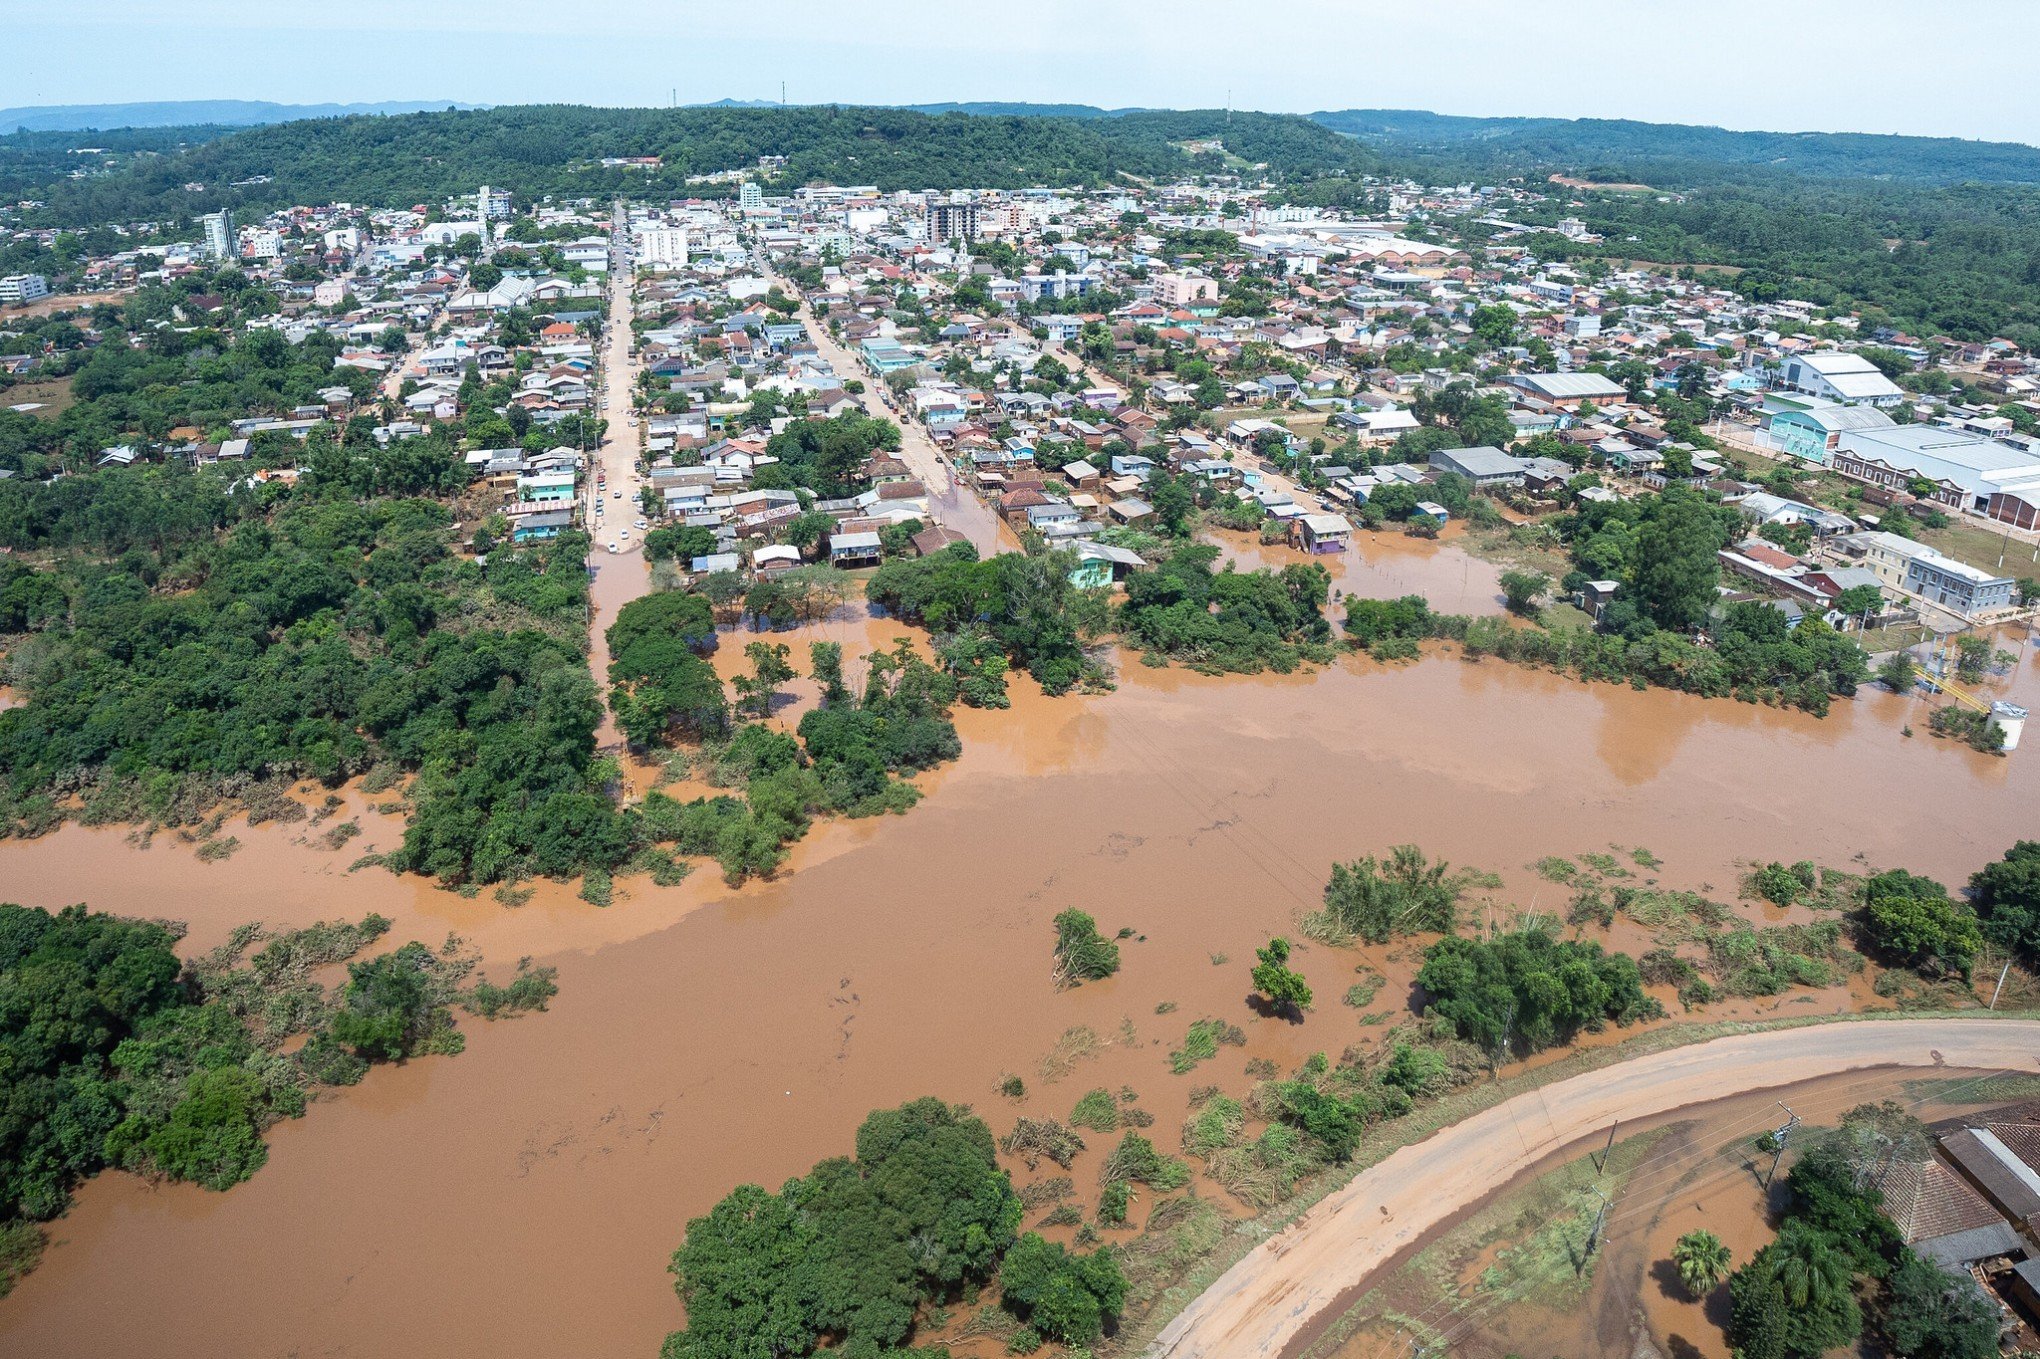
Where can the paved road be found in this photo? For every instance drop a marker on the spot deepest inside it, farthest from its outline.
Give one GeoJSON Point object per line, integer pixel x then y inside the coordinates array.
{"type": "Point", "coordinates": [617, 459]}
{"type": "Point", "coordinates": [955, 505]}
{"type": "Point", "coordinates": [625, 574]}
{"type": "Point", "coordinates": [1263, 1304]}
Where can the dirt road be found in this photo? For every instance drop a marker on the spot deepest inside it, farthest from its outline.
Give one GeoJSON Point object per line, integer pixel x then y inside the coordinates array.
{"type": "Point", "coordinates": [1263, 1304]}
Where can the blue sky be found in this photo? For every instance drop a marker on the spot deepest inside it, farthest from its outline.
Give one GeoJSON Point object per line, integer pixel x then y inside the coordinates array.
{"type": "Point", "coordinates": [1955, 68]}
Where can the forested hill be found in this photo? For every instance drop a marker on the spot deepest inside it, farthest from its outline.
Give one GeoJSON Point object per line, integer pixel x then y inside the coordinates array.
{"type": "Point", "coordinates": [535, 150]}
{"type": "Point", "coordinates": [1672, 155]}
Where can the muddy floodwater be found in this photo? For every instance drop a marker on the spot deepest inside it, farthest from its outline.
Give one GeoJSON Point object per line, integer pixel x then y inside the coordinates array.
{"type": "Point", "coordinates": [522, 1199]}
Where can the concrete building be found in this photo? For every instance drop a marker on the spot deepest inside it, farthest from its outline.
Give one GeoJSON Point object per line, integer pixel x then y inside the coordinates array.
{"type": "Point", "coordinates": [1923, 571]}
{"type": "Point", "coordinates": [1960, 470]}
{"type": "Point", "coordinates": [952, 221]}
{"type": "Point", "coordinates": [661, 247]}
{"type": "Point", "coordinates": [1812, 427]}
{"type": "Point", "coordinates": [492, 203]}
{"type": "Point", "coordinates": [1849, 379]}
{"type": "Point", "coordinates": [751, 197]}
{"type": "Point", "coordinates": [23, 288]}
{"type": "Point", "coordinates": [1486, 467]}
{"type": "Point", "coordinates": [220, 243]}
{"type": "Point", "coordinates": [1182, 290]}
{"type": "Point", "coordinates": [1568, 390]}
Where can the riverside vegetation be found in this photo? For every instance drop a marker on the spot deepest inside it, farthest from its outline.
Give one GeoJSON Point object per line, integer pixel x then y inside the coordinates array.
{"type": "Point", "coordinates": [860, 1255]}
{"type": "Point", "coordinates": [118, 1054]}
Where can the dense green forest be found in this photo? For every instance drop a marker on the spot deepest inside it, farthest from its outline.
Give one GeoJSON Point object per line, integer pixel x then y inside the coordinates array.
{"type": "Point", "coordinates": [192, 636]}
{"type": "Point", "coordinates": [1966, 263]}
{"type": "Point", "coordinates": [536, 150]}
{"type": "Point", "coordinates": [116, 1053]}
{"type": "Point", "coordinates": [1672, 155]}
{"type": "Point", "coordinates": [31, 159]}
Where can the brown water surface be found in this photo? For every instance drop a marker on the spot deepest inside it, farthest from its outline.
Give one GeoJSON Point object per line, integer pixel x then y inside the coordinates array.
{"type": "Point", "coordinates": [522, 1198]}
{"type": "Point", "coordinates": [1387, 564]}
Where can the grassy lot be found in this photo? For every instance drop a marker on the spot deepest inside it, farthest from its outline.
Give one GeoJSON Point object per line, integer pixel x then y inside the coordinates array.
{"type": "Point", "coordinates": [53, 393]}
{"type": "Point", "coordinates": [1565, 616]}
{"type": "Point", "coordinates": [1877, 640]}
{"type": "Point", "coordinates": [1523, 547]}
{"type": "Point", "coordinates": [1991, 549]}
{"type": "Point", "coordinates": [1304, 424]}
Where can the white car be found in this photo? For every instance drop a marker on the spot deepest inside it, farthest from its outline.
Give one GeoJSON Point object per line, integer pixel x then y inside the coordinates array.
{"type": "Point", "coordinates": [616, 495]}
{"type": "Point", "coordinates": [612, 547]}
{"type": "Point", "coordinates": [624, 535]}
{"type": "Point", "coordinates": [637, 524]}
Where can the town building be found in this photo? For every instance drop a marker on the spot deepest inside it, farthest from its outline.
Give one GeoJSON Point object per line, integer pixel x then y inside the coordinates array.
{"type": "Point", "coordinates": [220, 243]}
{"type": "Point", "coordinates": [1486, 467]}
{"type": "Point", "coordinates": [1849, 379]}
{"type": "Point", "coordinates": [952, 220]}
{"type": "Point", "coordinates": [1812, 427]}
{"type": "Point", "coordinates": [23, 288]}
{"type": "Point", "coordinates": [1568, 390]}
{"type": "Point", "coordinates": [661, 247]}
{"type": "Point", "coordinates": [1181, 290]}
{"type": "Point", "coordinates": [1961, 470]}
{"type": "Point", "coordinates": [1925, 572]}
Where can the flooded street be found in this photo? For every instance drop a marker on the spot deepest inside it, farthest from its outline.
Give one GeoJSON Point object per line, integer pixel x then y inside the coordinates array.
{"type": "Point", "coordinates": [1386, 565]}
{"type": "Point", "coordinates": [522, 1199]}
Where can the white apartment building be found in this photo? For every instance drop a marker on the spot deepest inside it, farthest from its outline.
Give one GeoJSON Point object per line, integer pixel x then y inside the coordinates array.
{"type": "Point", "coordinates": [661, 247]}
{"type": "Point", "coordinates": [23, 288]}
{"type": "Point", "coordinates": [219, 235]}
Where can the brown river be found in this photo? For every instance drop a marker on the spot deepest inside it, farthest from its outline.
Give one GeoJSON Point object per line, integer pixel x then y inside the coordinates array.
{"type": "Point", "coordinates": [522, 1199]}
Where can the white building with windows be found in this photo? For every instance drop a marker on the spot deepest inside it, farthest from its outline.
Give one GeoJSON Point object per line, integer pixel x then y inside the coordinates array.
{"type": "Point", "coordinates": [661, 247]}
{"type": "Point", "coordinates": [23, 288]}
{"type": "Point", "coordinates": [219, 235]}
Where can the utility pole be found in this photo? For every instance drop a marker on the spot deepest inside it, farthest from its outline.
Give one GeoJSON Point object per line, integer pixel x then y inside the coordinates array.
{"type": "Point", "coordinates": [1601, 1165]}
{"type": "Point", "coordinates": [1995, 990]}
{"type": "Point", "coordinates": [1778, 1140]}
{"type": "Point", "coordinates": [1594, 1235]}
{"type": "Point", "coordinates": [1494, 1062]}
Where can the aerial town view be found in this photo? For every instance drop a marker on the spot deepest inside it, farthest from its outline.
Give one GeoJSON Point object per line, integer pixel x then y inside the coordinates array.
{"type": "Point", "coordinates": [1319, 692]}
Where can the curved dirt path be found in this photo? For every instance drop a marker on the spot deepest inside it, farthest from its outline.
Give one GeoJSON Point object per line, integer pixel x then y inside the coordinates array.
{"type": "Point", "coordinates": [1263, 1303]}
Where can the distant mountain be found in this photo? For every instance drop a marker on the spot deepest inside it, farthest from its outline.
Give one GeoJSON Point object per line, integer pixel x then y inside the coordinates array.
{"type": "Point", "coordinates": [1676, 154]}
{"type": "Point", "coordinates": [183, 112]}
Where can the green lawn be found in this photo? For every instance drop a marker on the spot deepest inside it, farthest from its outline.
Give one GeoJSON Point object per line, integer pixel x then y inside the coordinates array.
{"type": "Point", "coordinates": [1991, 549]}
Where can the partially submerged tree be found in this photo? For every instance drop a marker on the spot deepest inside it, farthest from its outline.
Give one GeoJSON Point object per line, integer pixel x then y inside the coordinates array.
{"type": "Point", "coordinates": [1283, 987]}
{"type": "Point", "coordinates": [1081, 953]}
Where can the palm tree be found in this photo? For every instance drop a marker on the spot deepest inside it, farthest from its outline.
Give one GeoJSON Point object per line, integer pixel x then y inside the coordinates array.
{"type": "Point", "coordinates": [1808, 1269]}
{"type": "Point", "coordinates": [1702, 1261]}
